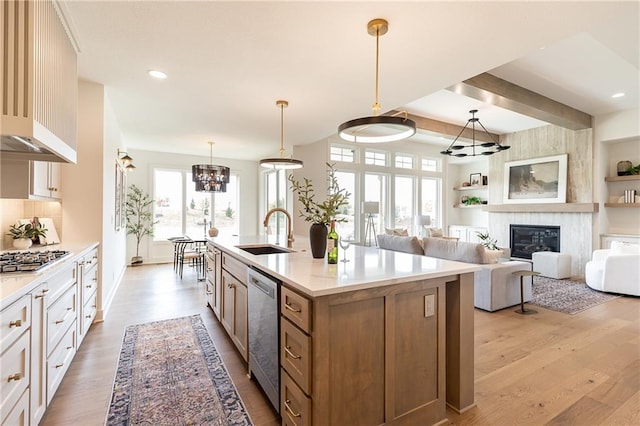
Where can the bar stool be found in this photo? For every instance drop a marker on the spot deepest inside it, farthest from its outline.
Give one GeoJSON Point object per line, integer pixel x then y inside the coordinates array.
{"type": "Point", "coordinates": [523, 274]}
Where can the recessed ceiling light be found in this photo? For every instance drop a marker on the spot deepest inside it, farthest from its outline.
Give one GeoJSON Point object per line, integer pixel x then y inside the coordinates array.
{"type": "Point", "coordinates": [157, 74]}
{"type": "Point", "coordinates": [617, 95]}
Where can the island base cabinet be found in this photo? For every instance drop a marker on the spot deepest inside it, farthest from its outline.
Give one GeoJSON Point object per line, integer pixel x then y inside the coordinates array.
{"type": "Point", "coordinates": [379, 356]}
{"type": "Point", "coordinates": [233, 312]}
{"type": "Point", "coordinates": [295, 406]}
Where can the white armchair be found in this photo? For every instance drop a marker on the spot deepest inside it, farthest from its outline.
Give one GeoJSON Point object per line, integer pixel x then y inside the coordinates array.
{"type": "Point", "coordinates": [615, 270]}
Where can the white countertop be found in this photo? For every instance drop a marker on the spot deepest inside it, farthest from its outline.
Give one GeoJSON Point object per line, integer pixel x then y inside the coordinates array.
{"type": "Point", "coordinates": [368, 267]}
{"type": "Point", "coordinates": [14, 285]}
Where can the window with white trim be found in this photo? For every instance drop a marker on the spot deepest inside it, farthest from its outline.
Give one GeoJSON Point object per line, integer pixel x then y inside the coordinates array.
{"type": "Point", "coordinates": [343, 154]}
{"type": "Point", "coordinates": [404, 161]}
{"type": "Point", "coordinates": [429, 164]}
{"type": "Point", "coordinates": [375, 158]}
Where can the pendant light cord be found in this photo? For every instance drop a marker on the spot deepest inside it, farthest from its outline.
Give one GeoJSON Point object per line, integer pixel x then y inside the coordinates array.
{"type": "Point", "coordinates": [376, 105]}
{"type": "Point", "coordinates": [211, 152]}
{"type": "Point", "coordinates": [281, 130]}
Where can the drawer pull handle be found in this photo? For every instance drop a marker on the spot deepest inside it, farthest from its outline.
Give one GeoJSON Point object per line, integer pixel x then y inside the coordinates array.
{"type": "Point", "coordinates": [209, 293]}
{"type": "Point", "coordinates": [87, 316]}
{"type": "Point", "coordinates": [59, 365]}
{"type": "Point", "coordinates": [231, 285]}
{"type": "Point", "coordinates": [287, 349]}
{"type": "Point", "coordinates": [16, 323]}
{"type": "Point", "coordinates": [95, 279]}
{"type": "Point", "coordinates": [38, 296]}
{"type": "Point", "coordinates": [59, 321]}
{"type": "Point", "coordinates": [286, 406]}
{"type": "Point", "coordinates": [45, 290]}
{"type": "Point", "coordinates": [292, 309]}
{"type": "Point", "coordinates": [13, 377]}
{"type": "Point", "coordinates": [69, 347]}
{"type": "Point", "coordinates": [88, 286]}
{"type": "Point", "coordinates": [70, 308]}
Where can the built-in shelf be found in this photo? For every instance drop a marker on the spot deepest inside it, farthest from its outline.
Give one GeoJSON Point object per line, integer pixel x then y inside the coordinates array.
{"type": "Point", "coordinates": [542, 208]}
{"type": "Point", "coordinates": [468, 188]}
{"type": "Point", "coordinates": [632, 205]}
{"type": "Point", "coordinates": [621, 178]}
{"type": "Point", "coordinates": [470, 206]}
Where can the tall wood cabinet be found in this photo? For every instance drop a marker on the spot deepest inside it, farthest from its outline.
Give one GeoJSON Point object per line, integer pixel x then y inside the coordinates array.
{"type": "Point", "coordinates": [234, 309]}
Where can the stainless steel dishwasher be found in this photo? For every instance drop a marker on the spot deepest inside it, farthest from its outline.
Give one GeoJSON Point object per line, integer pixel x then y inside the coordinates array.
{"type": "Point", "coordinates": [264, 333]}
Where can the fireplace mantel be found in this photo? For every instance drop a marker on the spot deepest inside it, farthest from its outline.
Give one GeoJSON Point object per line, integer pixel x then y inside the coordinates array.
{"type": "Point", "coordinates": [542, 208]}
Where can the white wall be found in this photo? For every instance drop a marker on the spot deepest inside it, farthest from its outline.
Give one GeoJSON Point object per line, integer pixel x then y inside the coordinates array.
{"type": "Point", "coordinates": [142, 177]}
{"type": "Point", "coordinates": [88, 206]}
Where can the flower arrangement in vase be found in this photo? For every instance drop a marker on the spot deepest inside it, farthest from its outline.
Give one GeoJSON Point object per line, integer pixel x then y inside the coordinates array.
{"type": "Point", "coordinates": [320, 214]}
{"type": "Point", "coordinates": [24, 234]}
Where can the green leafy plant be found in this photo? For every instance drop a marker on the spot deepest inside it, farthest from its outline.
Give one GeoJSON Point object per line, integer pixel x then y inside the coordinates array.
{"type": "Point", "coordinates": [229, 211]}
{"type": "Point", "coordinates": [634, 170]}
{"type": "Point", "coordinates": [27, 230]}
{"type": "Point", "coordinates": [321, 212]}
{"type": "Point", "coordinates": [139, 218]}
{"type": "Point", "coordinates": [472, 200]}
{"type": "Point", "coordinates": [487, 241]}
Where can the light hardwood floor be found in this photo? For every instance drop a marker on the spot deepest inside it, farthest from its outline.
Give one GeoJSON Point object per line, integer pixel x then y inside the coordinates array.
{"type": "Point", "coordinates": [549, 368]}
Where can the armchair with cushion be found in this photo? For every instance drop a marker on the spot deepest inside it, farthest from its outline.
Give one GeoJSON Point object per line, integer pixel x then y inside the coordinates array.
{"type": "Point", "coordinates": [615, 270]}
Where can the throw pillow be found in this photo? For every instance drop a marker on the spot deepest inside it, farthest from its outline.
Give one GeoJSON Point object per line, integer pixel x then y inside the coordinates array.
{"type": "Point", "coordinates": [401, 232]}
{"type": "Point", "coordinates": [397, 243]}
{"type": "Point", "coordinates": [492, 256]}
{"type": "Point", "coordinates": [619, 247]}
{"type": "Point", "coordinates": [434, 232]}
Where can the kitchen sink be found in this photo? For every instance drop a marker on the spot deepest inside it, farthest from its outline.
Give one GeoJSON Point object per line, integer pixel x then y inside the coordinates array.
{"type": "Point", "coordinates": [264, 249]}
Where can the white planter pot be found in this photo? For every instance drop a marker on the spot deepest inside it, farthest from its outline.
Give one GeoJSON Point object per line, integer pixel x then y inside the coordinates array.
{"type": "Point", "coordinates": [22, 243]}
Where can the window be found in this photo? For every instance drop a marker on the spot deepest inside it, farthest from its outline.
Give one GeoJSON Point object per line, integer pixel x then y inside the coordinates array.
{"type": "Point", "coordinates": [180, 210]}
{"type": "Point", "coordinates": [375, 158]}
{"type": "Point", "coordinates": [375, 189]}
{"type": "Point", "coordinates": [347, 180]}
{"type": "Point", "coordinates": [404, 202]}
{"type": "Point", "coordinates": [429, 165]}
{"type": "Point", "coordinates": [404, 161]}
{"type": "Point", "coordinates": [430, 200]}
{"type": "Point", "coordinates": [346, 155]}
{"type": "Point", "coordinates": [276, 190]}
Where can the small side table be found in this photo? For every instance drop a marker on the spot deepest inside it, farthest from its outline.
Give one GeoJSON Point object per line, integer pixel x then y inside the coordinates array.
{"type": "Point", "coordinates": [523, 274]}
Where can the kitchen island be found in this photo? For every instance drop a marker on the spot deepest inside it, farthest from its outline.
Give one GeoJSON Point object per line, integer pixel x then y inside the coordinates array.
{"type": "Point", "coordinates": [386, 338]}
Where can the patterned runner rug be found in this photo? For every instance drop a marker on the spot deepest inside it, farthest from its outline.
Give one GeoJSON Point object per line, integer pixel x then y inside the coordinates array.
{"type": "Point", "coordinates": [566, 296]}
{"type": "Point", "coordinates": [170, 373]}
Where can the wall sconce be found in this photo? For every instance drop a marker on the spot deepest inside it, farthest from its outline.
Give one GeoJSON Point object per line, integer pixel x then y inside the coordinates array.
{"type": "Point", "coordinates": [126, 160]}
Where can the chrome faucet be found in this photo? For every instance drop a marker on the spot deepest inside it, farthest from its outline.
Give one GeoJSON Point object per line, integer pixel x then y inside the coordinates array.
{"type": "Point", "coordinates": [289, 231]}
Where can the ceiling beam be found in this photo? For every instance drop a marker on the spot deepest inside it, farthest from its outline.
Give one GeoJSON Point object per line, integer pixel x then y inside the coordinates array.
{"type": "Point", "coordinates": [496, 91]}
{"type": "Point", "coordinates": [448, 129]}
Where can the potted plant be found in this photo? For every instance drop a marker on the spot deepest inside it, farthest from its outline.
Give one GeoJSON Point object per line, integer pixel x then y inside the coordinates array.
{"type": "Point", "coordinates": [24, 234]}
{"type": "Point", "coordinates": [320, 214]}
{"type": "Point", "coordinates": [139, 218]}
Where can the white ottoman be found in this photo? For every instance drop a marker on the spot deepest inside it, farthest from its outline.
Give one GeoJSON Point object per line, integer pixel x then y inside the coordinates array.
{"type": "Point", "coordinates": [551, 264]}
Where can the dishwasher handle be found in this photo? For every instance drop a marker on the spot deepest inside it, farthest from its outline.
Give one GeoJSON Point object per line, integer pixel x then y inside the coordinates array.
{"type": "Point", "coordinates": [267, 289]}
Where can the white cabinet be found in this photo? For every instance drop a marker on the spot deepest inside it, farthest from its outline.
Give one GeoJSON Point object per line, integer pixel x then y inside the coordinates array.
{"type": "Point", "coordinates": [46, 179]}
{"type": "Point", "coordinates": [467, 233]}
{"type": "Point", "coordinates": [36, 180]}
{"type": "Point", "coordinates": [38, 385]}
{"type": "Point", "coordinates": [87, 292]}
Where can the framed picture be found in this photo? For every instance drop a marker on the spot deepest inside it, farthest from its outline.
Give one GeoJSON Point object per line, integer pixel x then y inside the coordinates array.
{"type": "Point", "coordinates": [536, 180]}
{"type": "Point", "coordinates": [475, 179]}
{"type": "Point", "coordinates": [119, 202]}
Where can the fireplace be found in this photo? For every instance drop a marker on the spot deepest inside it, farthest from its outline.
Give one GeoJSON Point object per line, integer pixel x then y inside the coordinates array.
{"type": "Point", "coordinates": [528, 239]}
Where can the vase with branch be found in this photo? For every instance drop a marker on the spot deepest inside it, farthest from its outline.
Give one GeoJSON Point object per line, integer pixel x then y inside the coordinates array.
{"type": "Point", "coordinates": [139, 218]}
{"type": "Point", "coordinates": [320, 213]}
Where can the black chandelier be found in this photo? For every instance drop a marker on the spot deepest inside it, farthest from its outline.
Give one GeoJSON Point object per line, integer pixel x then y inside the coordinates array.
{"type": "Point", "coordinates": [210, 177]}
{"type": "Point", "coordinates": [464, 149]}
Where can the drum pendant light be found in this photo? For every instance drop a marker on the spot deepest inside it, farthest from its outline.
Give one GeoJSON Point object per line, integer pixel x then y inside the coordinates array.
{"type": "Point", "coordinates": [210, 177]}
{"type": "Point", "coordinates": [377, 129]}
{"type": "Point", "coordinates": [282, 162]}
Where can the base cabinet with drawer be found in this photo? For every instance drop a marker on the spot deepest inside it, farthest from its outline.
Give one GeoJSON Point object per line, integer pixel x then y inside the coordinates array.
{"type": "Point", "coordinates": [234, 309]}
{"type": "Point", "coordinates": [213, 285]}
{"type": "Point", "coordinates": [87, 292]}
{"type": "Point", "coordinates": [372, 356]}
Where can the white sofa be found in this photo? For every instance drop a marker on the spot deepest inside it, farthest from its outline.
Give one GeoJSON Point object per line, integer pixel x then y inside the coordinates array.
{"type": "Point", "coordinates": [615, 270]}
{"type": "Point", "coordinates": [495, 287]}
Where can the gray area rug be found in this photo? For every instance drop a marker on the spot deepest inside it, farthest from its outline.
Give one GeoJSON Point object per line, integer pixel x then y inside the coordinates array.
{"type": "Point", "coordinates": [566, 296]}
{"type": "Point", "coordinates": [170, 373]}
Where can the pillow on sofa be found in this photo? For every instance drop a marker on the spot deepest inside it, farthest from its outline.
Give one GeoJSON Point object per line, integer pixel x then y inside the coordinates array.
{"type": "Point", "coordinates": [492, 256]}
{"type": "Point", "coordinates": [401, 232]}
{"type": "Point", "coordinates": [619, 247]}
{"type": "Point", "coordinates": [398, 243]}
{"type": "Point", "coordinates": [434, 232]}
{"type": "Point", "coordinates": [454, 250]}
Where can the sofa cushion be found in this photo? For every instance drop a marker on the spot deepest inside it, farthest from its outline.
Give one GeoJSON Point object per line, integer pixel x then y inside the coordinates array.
{"type": "Point", "coordinates": [454, 250]}
{"type": "Point", "coordinates": [398, 243]}
{"type": "Point", "coordinates": [434, 232]}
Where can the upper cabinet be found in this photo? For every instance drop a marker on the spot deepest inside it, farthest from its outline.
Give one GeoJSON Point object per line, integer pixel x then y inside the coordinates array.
{"type": "Point", "coordinates": [31, 180]}
{"type": "Point", "coordinates": [38, 83]}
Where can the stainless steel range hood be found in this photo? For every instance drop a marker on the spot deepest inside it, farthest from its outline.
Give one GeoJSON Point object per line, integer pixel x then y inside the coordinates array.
{"type": "Point", "coordinates": [23, 148]}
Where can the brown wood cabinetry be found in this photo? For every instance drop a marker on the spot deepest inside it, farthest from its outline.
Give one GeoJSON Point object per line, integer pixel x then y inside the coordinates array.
{"type": "Point", "coordinates": [233, 310]}
{"type": "Point", "coordinates": [213, 286]}
{"type": "Point", "coordinates": [372, 356]}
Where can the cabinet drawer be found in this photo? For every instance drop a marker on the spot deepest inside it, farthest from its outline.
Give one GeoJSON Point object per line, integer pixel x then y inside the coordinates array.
{"type": "Point", "coordinates": [14, 367]}
{"type": "Point", "coordinates": [14, 320]}
{"type": "Point", "coordinates": [59, 360]}
{"type": "Point", "coordinates": [60, 317]}
{"type": "Point", "coordinates": [296, 308]}
{"type": "Point", "coordinates": [89, 285]}
{"type": "Point", "coordinates": [89, 260]}
{"type": "Point", "coordinates": [60, 282]}
{"type": "Point", "coordinates": [295, 355]}
{"type": "Point", "coordinates": [89, 312]}
{"type": "Point", "coordinates": [19, 415]}
{"type": "Point", "coordinates": [295, 406]}
{"type": "Point", "coordinates": [235, 267]}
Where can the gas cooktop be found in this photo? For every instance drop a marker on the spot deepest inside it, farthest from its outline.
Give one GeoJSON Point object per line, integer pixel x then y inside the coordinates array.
{"type": "Point", "coordinates": [29, 261]}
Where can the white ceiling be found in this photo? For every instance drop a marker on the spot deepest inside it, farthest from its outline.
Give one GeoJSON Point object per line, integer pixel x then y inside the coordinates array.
{"type": "Point", "coordinates": [228, 63]}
